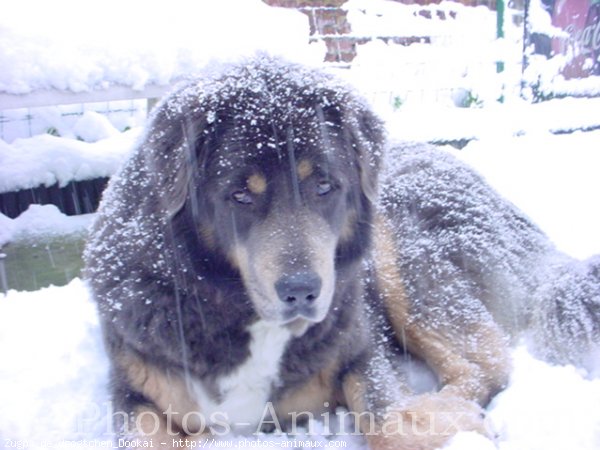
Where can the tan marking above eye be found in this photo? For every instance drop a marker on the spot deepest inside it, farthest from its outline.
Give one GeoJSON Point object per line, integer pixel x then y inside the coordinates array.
{"type": "Point", "coordinates": [257, 184]}
{"type": "Point", "coordinates": [305, 169]}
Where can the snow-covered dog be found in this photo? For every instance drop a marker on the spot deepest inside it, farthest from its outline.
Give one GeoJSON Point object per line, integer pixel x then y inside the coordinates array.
{"type": "Point", "coordinates": [246, 278]}
{"type": "Point", "coordinates": [469, 257]}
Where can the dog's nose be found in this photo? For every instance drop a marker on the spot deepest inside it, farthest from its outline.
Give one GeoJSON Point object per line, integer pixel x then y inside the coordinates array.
{"type": "Point", "coordinates": [298, 288]}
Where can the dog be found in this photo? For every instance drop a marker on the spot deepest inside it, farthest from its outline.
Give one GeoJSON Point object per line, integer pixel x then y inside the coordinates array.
{"type": "Point", "coordinates": [248, 273]}
{"type": "Point", "coordinates": [463, 248]}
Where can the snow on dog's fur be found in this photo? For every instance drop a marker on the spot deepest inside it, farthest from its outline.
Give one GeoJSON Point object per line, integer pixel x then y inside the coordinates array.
{"type": "Point", "coordinates": [245, 276]}
{"type": "Point", "coordinates": [467, 251]}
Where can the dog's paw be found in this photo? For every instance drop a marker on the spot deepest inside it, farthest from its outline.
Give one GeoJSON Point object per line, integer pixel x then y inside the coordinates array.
{"type": "Point", "coordinates": [428, 421]}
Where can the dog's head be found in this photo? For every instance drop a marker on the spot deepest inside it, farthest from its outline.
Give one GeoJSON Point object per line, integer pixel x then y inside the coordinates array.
{"type": "Point", "coordinates": [276, 172]}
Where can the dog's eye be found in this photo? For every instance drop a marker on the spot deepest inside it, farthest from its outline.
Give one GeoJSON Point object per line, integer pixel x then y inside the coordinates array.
{"type": "Point", "coordinates": [324, 188]}
{"type": "Point", "coordinates": [242, 197]}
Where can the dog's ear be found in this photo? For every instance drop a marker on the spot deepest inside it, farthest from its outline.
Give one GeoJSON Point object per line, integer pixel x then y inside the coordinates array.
{"type": "Point", "coordinates": [368, 139]}
{"type": "Point", "coordinates": [175, 150]}
{"type": "Point", "coordinates": [364, 132]}
{"type": "Point", "coordinates": [191, 163]}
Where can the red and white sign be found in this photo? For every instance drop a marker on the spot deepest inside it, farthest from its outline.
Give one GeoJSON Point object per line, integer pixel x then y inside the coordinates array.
{"type": "Point", "coordinates": [580, 19]}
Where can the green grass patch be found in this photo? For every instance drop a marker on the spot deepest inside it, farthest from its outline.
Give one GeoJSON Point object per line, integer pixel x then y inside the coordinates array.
{"type": "Point", "coordinates": [31, 263]}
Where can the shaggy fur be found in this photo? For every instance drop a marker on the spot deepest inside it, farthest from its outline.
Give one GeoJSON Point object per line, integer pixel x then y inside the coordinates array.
{"type": "Point", "coordinates": [467, 251]}
{"type": "Point", "coordinates": [245, 273]}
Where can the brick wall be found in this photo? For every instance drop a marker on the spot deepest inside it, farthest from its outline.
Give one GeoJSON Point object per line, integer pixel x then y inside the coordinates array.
{"type": "Point", "coordinates": [328, 22]}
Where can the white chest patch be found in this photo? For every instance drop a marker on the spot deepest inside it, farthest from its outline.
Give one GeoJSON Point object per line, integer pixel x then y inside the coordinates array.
{"type": "Point", "coordinates": [245, 391]}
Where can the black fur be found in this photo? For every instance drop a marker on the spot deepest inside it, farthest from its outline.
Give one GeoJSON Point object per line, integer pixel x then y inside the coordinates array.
{"type": "Point", "coordinates": [173, 296]}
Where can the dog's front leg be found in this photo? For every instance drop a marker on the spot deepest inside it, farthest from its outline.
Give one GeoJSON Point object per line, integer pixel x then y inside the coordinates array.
{"type": "Point", "coordinates": [153, 407]}
{"type": "Point", "coordinates": [148, 427]}
{"type": "Point", "coordinates": [422, 422]}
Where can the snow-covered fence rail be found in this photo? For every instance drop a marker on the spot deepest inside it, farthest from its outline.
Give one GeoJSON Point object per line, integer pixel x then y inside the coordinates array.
{"type": "Point", "coordinates": [25, 115]}
{"type": "Point", "coordinates": [72, 148]}
{"type": "Point", "coordinates": [66, 97]}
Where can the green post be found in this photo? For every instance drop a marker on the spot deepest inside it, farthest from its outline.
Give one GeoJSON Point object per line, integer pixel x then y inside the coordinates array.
{"type": "Point", "coordinates": [500, 29]}
{"type": "Point", "coordinates": [500, 35]}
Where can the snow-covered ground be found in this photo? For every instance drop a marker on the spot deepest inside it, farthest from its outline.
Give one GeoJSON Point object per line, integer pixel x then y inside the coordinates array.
{"type": "Point", "coordinates": [54, 395]}
{"type": "Point", "coordinates": [53, 371]}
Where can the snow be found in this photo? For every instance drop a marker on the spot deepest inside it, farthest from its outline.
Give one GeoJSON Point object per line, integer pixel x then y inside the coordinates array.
{"type": "Point", "coordinates": [53, 370]}
{"type": "Point", "coordinates": [513, 118]}
{"type": "Point", "coordinates": [553, 178]}
{"type": "Point", "coordinates": [126, 43]}
{"type": "Point", "coordinates": [54, 391]}
{"type": "Point", "coordinates": [562, 412]}
{"type": "Point", "coordinates": [42, 221]}
{"type": "Point", "coordinates": [7, 229]}
{"type": "Point", "coordinates": [382, 18]}
{"type": "Point", "coordinates": [470, 440]}
{"type": "Point", "coordinates": [545, 73]}
{"type": "Point", "coordinates": [541, 22]}
{"type": "Point", "coordinates": [93, 127]}
{"type": "Point", "coordinates": [457, 50]}
{"type": "Point", "coordinates": [46, 159]}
